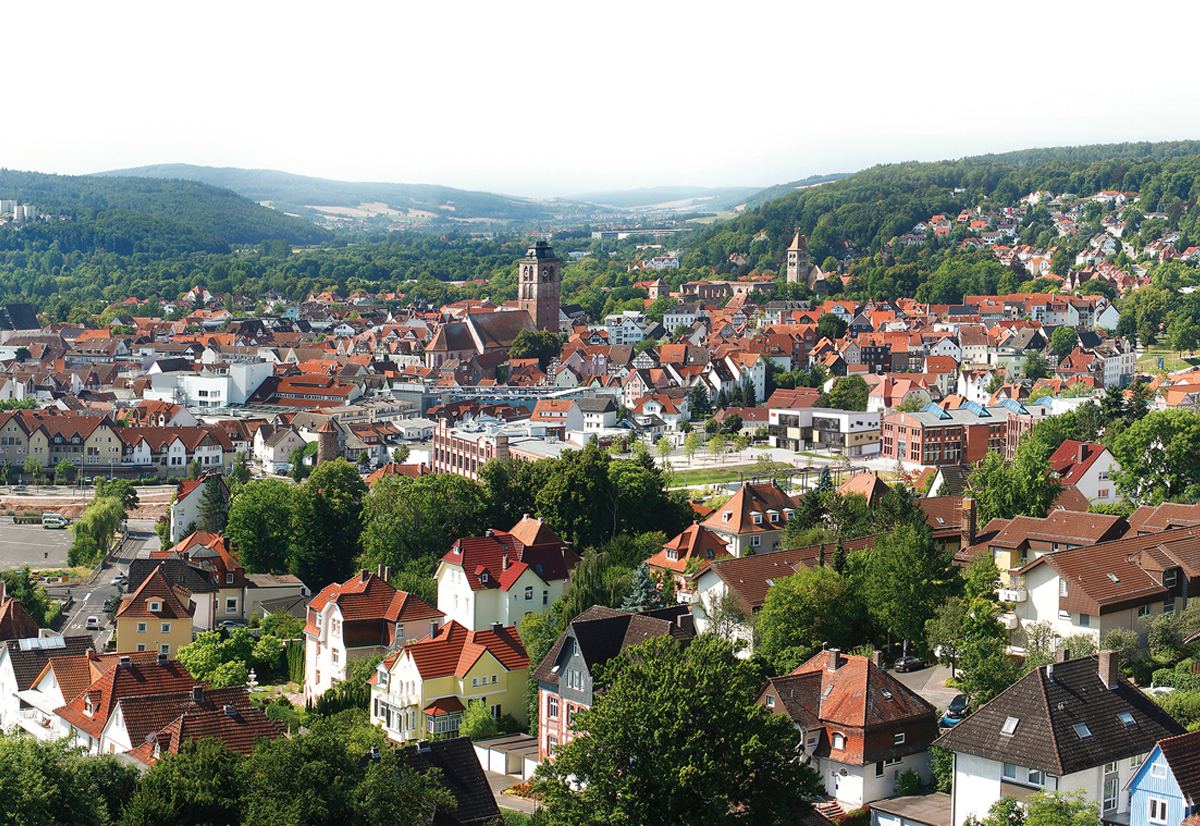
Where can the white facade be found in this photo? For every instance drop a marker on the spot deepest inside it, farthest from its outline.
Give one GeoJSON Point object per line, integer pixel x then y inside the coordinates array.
{"type": "Point", "coordinates": [477, 610]}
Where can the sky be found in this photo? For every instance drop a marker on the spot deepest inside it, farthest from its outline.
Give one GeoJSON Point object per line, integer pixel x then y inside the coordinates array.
{"type": "Point", "coordinates": [545, 99]}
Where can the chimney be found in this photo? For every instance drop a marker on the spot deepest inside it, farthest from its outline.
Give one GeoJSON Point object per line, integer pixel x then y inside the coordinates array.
{"type": "Point", "coordinates": [1062, 654]}
{"type": "Point", "coordinates": [967, 530]}
{"type": "Point", "coordinates": [504, 562]}
{"type": "Point", "coordinates": [423, 746]}
{"type": "Point", "coordinates": [387, 573]}
{"type": "Point", "coordinates": [197, 694]}
{"type": "Point", "coordinates": [379, 570]}
{"type": "Point", "coordinates": [123, 661]}
{"type": "Point", "coordinates": [686, 623]}
{"type": "Point", "coordinates": [162, 658]}
{"type": "Point", "coordinates": [1081, 453]}
{"type": "Point", "coordinates": [230, 711]}
{"type": "Point", "coordinates": [489, 532]}
{"type": "Point", "coordinates": [365, 574]}
{"type": "Point", "coordinates": [1110, 674]}
{"type": "Point", "coordinates": [497, 627]}
{"type": "Point", "coordinates": [523, 518]}
{"type": "Point", "coordinates": [877, 658]}
{"type": "Point", "coordinates": [833, 659]}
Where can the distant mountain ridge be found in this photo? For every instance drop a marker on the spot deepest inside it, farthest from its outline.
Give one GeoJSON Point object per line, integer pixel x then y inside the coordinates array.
{"type": "Point", "coordinates": [134, 214]}
{"type": "Point", "coordinates": [298, 194]}
{"type": "Point", "coordinates": [707, 199]}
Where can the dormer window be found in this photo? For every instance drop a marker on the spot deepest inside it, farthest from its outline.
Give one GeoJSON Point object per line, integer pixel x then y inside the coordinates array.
{"type": "Point", "coordinates": [672, 555]}
{"type": "Point", "coordinates": [757, 517]}
{"type": "Point", "coordinates": [788, 513]}
{"type": "Point", "coordinates": [773, 515]}
{"type": "Point", "coordinates": [839, 741]}
{"type": "Point", "coordinates": [483, 577]}
{"type": "Point", "coordinates": [155, 606]}
{"type": "Point", "coordinates": [229, 578]}
{"type": "Point", "coordinates": [726, 516]}
{"type": "Point", "coordinates": [383, 677]}
{"type": "Point", "coordinates": [1170, 577]}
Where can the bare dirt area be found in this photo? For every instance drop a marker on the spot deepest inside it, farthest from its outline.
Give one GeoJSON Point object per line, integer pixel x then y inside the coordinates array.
{"type": "Point", "coordinates": [153, 502]}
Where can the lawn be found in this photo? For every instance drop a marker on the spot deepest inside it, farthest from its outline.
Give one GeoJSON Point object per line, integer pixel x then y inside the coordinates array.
{"type": "Point", "coordinates": [1172, 360]}
{"type": "Point", "coordinates": [709, 475]}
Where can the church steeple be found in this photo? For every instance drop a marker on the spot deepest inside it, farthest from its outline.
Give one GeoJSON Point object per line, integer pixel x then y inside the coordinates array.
{"type": "Point", "coordinates": [539, 284]}
{"type": "Point", "coordinates": [797, 260]}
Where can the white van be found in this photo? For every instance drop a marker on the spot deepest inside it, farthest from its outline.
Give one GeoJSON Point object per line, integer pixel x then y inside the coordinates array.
{"type": "Point", "coordinates": [54, 520]}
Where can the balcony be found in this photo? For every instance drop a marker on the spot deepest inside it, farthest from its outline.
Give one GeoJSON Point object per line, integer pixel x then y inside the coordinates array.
{"type": "Point", "coordinates": [1013, 594]}
{"type": "Point", "coordinates": [1009, 621]}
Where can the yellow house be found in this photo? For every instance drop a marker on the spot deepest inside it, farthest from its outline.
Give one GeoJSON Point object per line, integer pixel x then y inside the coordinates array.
{"type": "Point", "coordinates": [423, 689]}
{"type": "Point", "coordinates": [155, 617]}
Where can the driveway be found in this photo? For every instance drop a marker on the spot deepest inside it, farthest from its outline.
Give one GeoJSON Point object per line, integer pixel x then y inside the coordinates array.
{"type": "Point", "coordinates": [930, 684]}
{"type": "Point", "coordinates": [500, 782]}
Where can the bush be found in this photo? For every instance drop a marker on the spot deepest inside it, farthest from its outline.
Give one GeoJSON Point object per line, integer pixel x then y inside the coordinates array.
{"type": "Point", "coordinates": [909, 783]}
{"type": "Point", "coordinates": [856, 817]}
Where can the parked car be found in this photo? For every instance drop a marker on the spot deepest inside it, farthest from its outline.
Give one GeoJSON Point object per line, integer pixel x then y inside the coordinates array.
{"type": "Point", "coordinates": [232, 623]}
{"type": "Point", "coordinates": [909, 663]}
{"type": "Point", "coordinates": [18, 488]}
{"type": "Point", "coordinates": [956, 712]}
{"type": "Point", "coordinates": [119, 579]}
{"type": "Point", "coordinates": [92, 624]}
{"type": "Point", "coordinates": [111, 601]}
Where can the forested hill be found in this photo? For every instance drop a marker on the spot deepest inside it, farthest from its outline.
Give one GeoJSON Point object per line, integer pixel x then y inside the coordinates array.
{"type": "Point", "coordinates": [869, 208]}
{"type": "Point", "coordinates": [132, 215]}
{"type": "Point", "coordinates": [299, 193]}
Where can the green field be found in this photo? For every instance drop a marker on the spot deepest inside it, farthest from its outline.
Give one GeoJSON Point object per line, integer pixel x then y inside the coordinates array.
{"type": "Point", "coordinates": [1172, 360]}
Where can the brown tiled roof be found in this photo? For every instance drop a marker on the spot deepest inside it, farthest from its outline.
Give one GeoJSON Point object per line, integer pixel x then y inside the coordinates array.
{"type": "Point", "coordinates": [1046, 710]}
{"type": "Point", "coordinates": [461, 774]}
{"type": "Point", "coordinates": [867, 485]}
{"type": "Point", "coordinates": [1183, 756]}
{"type": "Point", "coordinates": [129, 679]}
{"type": "Point", "coordinates": [1148, 519]}
{"type": "Point", "coordinates": [1061, 526]}
{"type": "Point", "coordinates": [454, 650]}
{"type": "Point", "coordinates": [530, 545]}
{"type": "Point", "coordinates": [15, 624]}
{"type": "Point", "coordinates": [173, 605]}
{"type": "Point", "coordinates": [367, 597]}
{"type": "Point", "coordinates": [695, 542]}
{"type": "Point", "coordinates": [749, 498]}
{"type": "Point", "coordinates": [224, 714]}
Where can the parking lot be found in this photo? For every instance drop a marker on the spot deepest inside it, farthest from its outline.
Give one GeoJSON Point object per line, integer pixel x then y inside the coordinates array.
{"type": "Point", "coordinates": [32, 545]}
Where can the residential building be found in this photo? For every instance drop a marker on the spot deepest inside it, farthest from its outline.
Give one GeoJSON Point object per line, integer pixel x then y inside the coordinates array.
{"type": "Point", "coordinates": [850, 432]}
{"type": "Point", "coordinates": [1072, 725]}
{"type": "Point", "coordinates": [15, 624]}
{"type": "Point", "coordinates": [214, 578]}
{"type": "Point", "coordinates": [1088, 467]}
{"type": "Point", "coordinates": [693, 547]}
{"type": "Point", "coordinates": [501, 577]}
{"type": "Point", "coordinates": [423, 689]}
{"type": "Point", "coordinates": [21, 661]}
{"type": "Point", "coordinates": [185, 509]}
{"type": "Point", "coordinates": [753, 519]}
{"type": "Point", "coordinates": [1165, 789]}
{"type": "Point", "coordinates": [565, 676]}
{"type": "Point", "coordinates": [156, 617]}
{"type": "Point", "coordinates": [1014, 543]}
{"type": "Point", "coordinates": [357, 618]}
{"type": "Point", "coordinates": [861, 727]}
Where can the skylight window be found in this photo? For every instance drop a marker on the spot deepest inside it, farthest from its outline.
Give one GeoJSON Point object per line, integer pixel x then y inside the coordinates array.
{"type": "Point", "coordinates": [1113, 577]}
{"type": "Point", "coordinates": [1082, 730]}
{"type": "Point", "coordinates": [1010, 725]}
{"type": "Point", "coordinates": [828, 689]}
{"type": "Point", "coordinates": [1126, 718]}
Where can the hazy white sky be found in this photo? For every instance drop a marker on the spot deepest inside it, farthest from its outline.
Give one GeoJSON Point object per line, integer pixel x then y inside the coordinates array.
{"type": "Point", "coordinates": [554, 98]}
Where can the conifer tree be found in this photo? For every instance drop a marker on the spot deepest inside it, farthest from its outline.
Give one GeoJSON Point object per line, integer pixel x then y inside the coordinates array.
{"type": "Point", "coordinates": [645, 595]}
{"type": "Point", "coordinates": [214, 506]}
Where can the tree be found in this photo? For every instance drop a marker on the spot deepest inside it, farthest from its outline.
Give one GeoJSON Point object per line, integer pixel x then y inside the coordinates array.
{"type": "Point", "coordinates": [240, 472]}
{"type": "Point", "coordinates": [400, 454]}
{"type": "Point", "coordinates": [204, 783]}
{"type": "Point", "coordinates": [33, 468]}
{"type": "Point", "coordinates": [406, 520]}
{"type": "Point", "coordinates": [732, 424]}
{"type": "Point", "coordinates": [1063, 341]}
{"type": "Point", "coordinates": [663, 448]}
{"type": "Point", "coordinates": [64, 471]}
{"type": "Point", "coordinates": [831, 327]}
{"type": "Point", "coordinates": [646, 595]}
{"type": "Point", "coordinates": [699, 404]}
{"type": "Point", "coordinates": [647, 754]}
{"type": "Point", "coordinates": [23, 587]}
{"type": "Point", "coordinates": [298, 469]}
{"type": "Point", "coordinates": [1043, 808]}
{"type": "Point", "coordinates": [214, 505]}
{"type": "Point", "coordinates": [1024, 488]}
{"type": "Point", "coordinates": [810, 608]}
{"type": "Point", "coordinates": [987, 669]}
{"type": "Point", "coordinates": [944, 632]}
{"type": "Point", "coordinates": [849, 393]}
{"type": "Point", "coordinates": [260, 526]}
{"type": "Point", "coordinates": [1036, 366]}
{"type": "Point", "coordinates": [691, 444]}
{"type": "Point", "coordinates": [47, 783]}
{"type": "Point", "coordinates": [193, 470]}
{"type": "Point", "coordinates": [905, 580]}
{"type": "Point", "coordinates": [327, 522]}
{"type": "Point", "coordinates": [1157, 457]}
{"type": "Point", "coordinates": [478, 722]}
{"type": "Point", "coordinates": [542, 345]}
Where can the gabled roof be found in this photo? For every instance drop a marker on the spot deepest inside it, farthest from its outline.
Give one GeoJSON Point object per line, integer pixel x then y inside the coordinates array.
{"type": "Point", "coordinates": [1073, 459]}
{"type": "Point", "coordinates": [497, 559]}
{"type": "Point", "coordinates": [126, 679]}
{"type": "Point", "coordinates": [453, 650]}
{"type": "Point", "coordinates": [29, 656]}
{"type": "Point", "coordinates": [694, 542]}
{"type": "Point", "coordinates": [1042, 710]}
{"type": "Point", "coordinates": [1182, 754]}
{"type": "Point", "coordinates": [1149, 519]}
{"type": "Point", "coordinates": [173, 604]}
{"type": "Point", "coordinates": [225, 714]}
{"type": "Point", "coordinates": [867, 485]}
{"type": "Point", "coordinates": [365, 598]}
{"type": "Point", "coordinates": [461, 774]}
{"type": "Point", "coordinates": [15, 624]}
{"type": "Point", "coordinates": [602, 633]}
{"type": "Point", "coordinates": [736, 515]}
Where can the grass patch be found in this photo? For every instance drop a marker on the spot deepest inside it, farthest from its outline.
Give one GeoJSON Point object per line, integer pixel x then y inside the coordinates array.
{"type": "Point", "coordinates": [1172, 360]}
{"type": "Point", "coordinates": [711, 475]}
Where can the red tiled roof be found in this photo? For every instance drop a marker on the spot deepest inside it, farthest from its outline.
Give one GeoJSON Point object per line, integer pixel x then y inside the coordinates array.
{"type": "Point", "coordinates": [126, 679]}
{"type": "Point", "coordinates": [367, 597]}
{"type": "Point", "coordinates": [454, 650]}
{"type": "Point", "coordinates": [173, 604]}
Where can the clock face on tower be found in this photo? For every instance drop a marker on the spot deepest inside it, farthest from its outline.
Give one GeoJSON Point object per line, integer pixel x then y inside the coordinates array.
{"type": "Point", "coordinates": [545, 273]}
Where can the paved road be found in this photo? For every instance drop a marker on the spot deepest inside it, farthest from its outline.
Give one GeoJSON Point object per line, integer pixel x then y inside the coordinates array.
{"type": "Point", "coordinates": [930, 683]}
{"type": "Point", "coordinates": [89, 598]}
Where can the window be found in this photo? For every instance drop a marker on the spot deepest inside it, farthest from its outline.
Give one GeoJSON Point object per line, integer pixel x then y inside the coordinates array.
{"type": "Point", "coordinates": [164, 649]}
{"type": "Point", "coordinates": [1037, 778]}
{"type": "Point", "coordinates": [545, 597]}
{"type": "Point", "coordinates": [141, 628]}
{"type": "Point", "coordinates": [755, 540]}
{"type": "Point", "coordinates": [495, 679]}
{"type": "Point", "coordinates": [1127, 719]}
{"type": "Point", "coordinates": [1169, 606]}
{"type": "Point", "coordinates": [496, 711]}
{"type": "Point", "coordinates": [1136, 761]}
{"type": "Point", "coordinates": [770, 701]}
{"type": "Point", "coordinates": [1085, 620]}
{"type": "Point", "coordinates": [757, 517]}
{"type": "Point", "coordinates": [1010, 771]}
{"type": "Point", "coordinates": [1082, 730]}
{"type": "Point", "coordinates": [1158, 811]}
{"type": "Point", "coordinates": [166, 628]}
{"type": "Point", "coordinates": [141, 646]}
{"type": "Point", "coordinates": [839, 741]}
{"type": "Point", "coordinates": [813, 738]}
{"type": "Point", "coordinates": [1010, 725]}
{"type": "Point", "coordinates": [1064, 615]}
{"type": "Point", "coordinates": [1143, 611]}
{"type": "Point", "coordinates": [1170, 577]}
{"type": "Point", "coordinates": [229, 578]}
{"type": "Point", "coordinates": [898, 738]}
{"type": "Point", "coordinates": [231, 604]}
{"type": "Point", "coordinates": [1158, 770]}
{"type": "Point", "coordinates": [551, 743]}
{"type": "Point", "coordinates": [474, 682]}
{"type": "Point", "coordinates": [1062, 587]}
{"type": "Point", "coordinates": [552, 707]}
{"type": "Point", "coordinates": [333, 654]}
{"type": "Point", "coordinates": [155, 605]}
{"type": "Point", "coordinates": [529, 593]}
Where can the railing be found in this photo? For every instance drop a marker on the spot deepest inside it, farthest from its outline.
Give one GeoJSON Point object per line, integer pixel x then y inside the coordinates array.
{"type": "Point", "coordinates": [1013, 594]}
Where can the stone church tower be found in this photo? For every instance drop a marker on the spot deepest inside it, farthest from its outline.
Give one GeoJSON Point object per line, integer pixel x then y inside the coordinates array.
{"type": "Point", "coordinates": [327, 439]}
{"type": "Point", "coordinates": [797, 260]}
{"type": "Point", "coordinates": [539, 284]}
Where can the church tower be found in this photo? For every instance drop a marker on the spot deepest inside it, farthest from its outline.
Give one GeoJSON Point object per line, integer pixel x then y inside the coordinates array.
{"type": "Point", "coordinates": [797, 260]}
{"type": "Point", "coordinates": [538, 286]}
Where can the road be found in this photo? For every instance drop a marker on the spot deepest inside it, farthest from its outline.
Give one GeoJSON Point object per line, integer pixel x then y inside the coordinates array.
{"type": "Point", "coordinates": [89, 597]}
{"type": "Point", "coordinates": [930, 684]}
